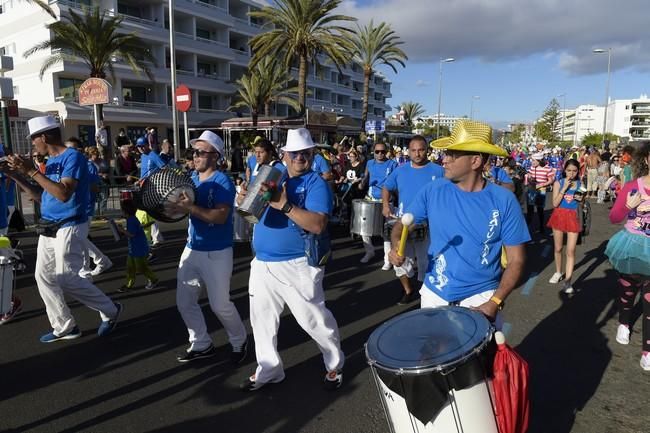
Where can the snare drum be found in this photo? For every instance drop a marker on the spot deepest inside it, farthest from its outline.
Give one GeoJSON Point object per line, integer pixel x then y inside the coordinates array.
{"type": "Point", "coordinates": [431, 368]}
{"type": "Point", "coordinates": [418, 233]}
{"type": "Point", "coordinates": [367, 218]}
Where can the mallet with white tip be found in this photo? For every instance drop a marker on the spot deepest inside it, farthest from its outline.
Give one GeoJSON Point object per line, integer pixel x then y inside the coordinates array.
{"type": "Point", "coordinates": [407, 220]}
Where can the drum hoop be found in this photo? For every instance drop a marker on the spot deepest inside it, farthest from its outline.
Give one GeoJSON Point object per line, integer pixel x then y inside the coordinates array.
{"type": "Point", "coordinates": [443, 369]}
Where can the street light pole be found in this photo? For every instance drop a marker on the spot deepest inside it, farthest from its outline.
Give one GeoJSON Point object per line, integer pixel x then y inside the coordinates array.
{"type": "Point", "coordinates": [172, 68]}
{"type": "Point", "coordinates": [609, 64]}
{"type": "Point", "coordinates": [447, 60]}
{"type": "Point", "coordinates": [471, 107]}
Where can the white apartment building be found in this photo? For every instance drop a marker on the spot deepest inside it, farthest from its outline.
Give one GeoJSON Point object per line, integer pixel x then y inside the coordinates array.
{"type": "Point", "coordinates": [629, 118]}
{"type": "Point", "coordinates": [445, 120]}
{"type": "Point", "coordinates": [576, 123]}
{"type": "Point", "coordinates": [211, 53]}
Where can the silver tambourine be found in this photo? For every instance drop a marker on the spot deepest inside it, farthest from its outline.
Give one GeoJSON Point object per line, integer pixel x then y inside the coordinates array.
{"type": "Point", "coordinates": [254, 204]}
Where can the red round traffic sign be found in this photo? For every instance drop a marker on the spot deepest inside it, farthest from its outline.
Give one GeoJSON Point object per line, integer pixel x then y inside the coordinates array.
{"type": "Point", "coordinates": [183, 98]}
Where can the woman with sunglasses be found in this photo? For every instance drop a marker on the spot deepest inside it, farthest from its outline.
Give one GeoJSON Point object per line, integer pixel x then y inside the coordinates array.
{"type": "Point", "coordinates": [564, 220]}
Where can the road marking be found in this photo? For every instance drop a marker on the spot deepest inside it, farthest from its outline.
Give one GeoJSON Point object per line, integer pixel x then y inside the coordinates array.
{"type": "Point", "coordinates": [528, 287]}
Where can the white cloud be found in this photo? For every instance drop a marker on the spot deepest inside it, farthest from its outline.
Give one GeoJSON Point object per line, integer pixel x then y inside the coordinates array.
{"type": "Point", "coordinates": [422, 83]}
{"type": "Point", "coordinates": [501, 30]}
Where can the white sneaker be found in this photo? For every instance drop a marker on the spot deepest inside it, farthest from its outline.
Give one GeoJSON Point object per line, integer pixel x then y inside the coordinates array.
{"type": "Point", "coordinates": [645, 362]}
{"type": "Point", "coordinates": [366, 258]}
{"type": "Point", "coordinates": [556, 278]}
{"type": "Point", "coordinates": [623, 335]}
{"type": "Point", "coordinates": [568, 288]}
{"type": "Point", "coordinates": [387, 267]}
{"type": "Point", "coordinates": [101, 268]}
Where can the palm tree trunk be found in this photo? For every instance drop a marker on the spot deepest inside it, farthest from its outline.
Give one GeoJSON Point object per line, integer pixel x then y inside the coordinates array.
{"type": "Point", "coordinates": [302, 84]}
{"type": "Point", "coordinates": [267, 109]}
{"type": "Point", "coordinates": [366, 89]}
{"type": "Point", "coordinates": [254, 115]}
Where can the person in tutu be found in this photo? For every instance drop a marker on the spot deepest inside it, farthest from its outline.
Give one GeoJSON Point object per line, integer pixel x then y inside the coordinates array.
{"type": "Point", "coordinates": [564, 219]}
{"type": "Point", "coordinates": [629, 250]}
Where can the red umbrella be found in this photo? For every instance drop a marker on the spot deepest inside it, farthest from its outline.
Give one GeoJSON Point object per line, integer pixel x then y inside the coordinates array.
{"type": "Point", "coordinates": [510, 384]}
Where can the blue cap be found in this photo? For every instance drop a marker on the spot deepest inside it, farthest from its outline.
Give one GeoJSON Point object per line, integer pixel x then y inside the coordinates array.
{"type": "Point", "coordinates": [141, 141]}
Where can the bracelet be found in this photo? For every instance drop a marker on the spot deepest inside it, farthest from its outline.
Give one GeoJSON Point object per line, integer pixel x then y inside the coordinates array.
{"type": "Point", "coordinates": [497, 301]}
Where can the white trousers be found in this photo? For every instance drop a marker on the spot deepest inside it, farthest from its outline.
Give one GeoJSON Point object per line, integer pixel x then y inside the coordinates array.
{"type": "Point", "coordinates": [210, 270]}
{"type": "Point", "coordinates": [93, 253]}
{"type": "Point", "coordinates": [367, 245]}
{"type": "Point", "coordinates": [428, 299]}
{"type": "Point", "coordinates": [58, 262]}
{"type": "Point", "coordinates": [415, 250]}
{"type": "Point", "coordinates": [156, 234]}
{"type": "Point", "coordinates": [300, 286]}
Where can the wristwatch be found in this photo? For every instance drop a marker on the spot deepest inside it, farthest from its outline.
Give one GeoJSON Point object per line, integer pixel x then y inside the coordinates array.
{"type": "Point", "coordinates": [497, 301]}
{"type": "Point", "coordinates": [287, 207]}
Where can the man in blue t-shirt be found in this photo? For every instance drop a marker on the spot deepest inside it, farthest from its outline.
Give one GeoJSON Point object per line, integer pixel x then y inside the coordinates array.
{"type": "Point", "coordinates": [101, 261]}
{"type": "Point", "coordinates": [207, 258]}
{"type": "Point", "coordinates": [406, 181]}
{"type": "Point", "coordinates": [321, 167]}
{"type": "Point", "coordinates": [63, 193]}
{"type": "Point", "coordinates": [282, 273]}
{"type": "Point", "coordinates": [497, 175]}
{"type": "Point", "coordinates": [470, 220]}
{"type": "Point", "coordinates": [377, 171]}
{"type": "Point", "coordinates": [150, 161]}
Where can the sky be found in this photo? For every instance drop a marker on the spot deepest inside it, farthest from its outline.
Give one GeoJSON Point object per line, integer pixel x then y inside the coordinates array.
{"type": "Point", "coordinates": [515, 55]}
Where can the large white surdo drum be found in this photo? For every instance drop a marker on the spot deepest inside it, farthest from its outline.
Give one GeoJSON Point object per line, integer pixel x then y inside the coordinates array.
{"type": "Point", "coordinates": [367, 218]}
{"type": "Point", "coordinates": [432, 369]}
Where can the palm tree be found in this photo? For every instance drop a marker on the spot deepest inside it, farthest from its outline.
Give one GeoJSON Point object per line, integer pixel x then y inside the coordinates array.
{"type": "Point", "coordinates": [275, 80]}
{"type": "Point", "coordinates": [411, 111]}
{"type": "Point", "coordinates": [249, 95]}
{"type": "Point", "coordinates": [302, 29]}
{"type": "Point", "coordinates": [373, 46]}
{"type": "Point", "coordinates": [94, 39]}
{"type": "Point", "coordinates": [43, 5]}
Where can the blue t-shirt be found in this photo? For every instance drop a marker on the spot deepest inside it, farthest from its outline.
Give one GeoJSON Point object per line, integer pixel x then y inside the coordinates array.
{"type": "Point", "coordinates": [251, 162]}
{"type": "Point", "coordinates": [218, 189]}
{"type": "Point", "coordinates": [11, 192]}
{"type": "Point", "coordinates": [408, 181]}
{"type": "Point", "coordinates": [276, 238]}
{"type": "Point", "coordinates": [378, 172]}
{"type": "Point", "coordinates": [568, 200]}
{"type": "Point", "coordinates": [93, 179]}
{"type": "Point", "coordinates": [149, 163]}
{"type": "Point", "coordinates": [497, 174]}
{"type": "Point", "coordinates": [274, 164]}
{"type": "Point", "coordinates": [320, 165]}
{"type": "Point", "coordinates": [138, 245]}
{"type": "Point", "coordinates": [467, 231]}
{"type": "Point", "coordinates": [3, 204]}
{"type": "Point", "coordinates": [74, 165]}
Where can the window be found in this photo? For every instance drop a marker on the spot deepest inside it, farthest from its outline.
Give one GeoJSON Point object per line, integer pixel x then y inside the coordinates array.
{"type": "Point", "coordinates": [69, 87]}
{"type": "Point", "coordinates": [627, 107]}
{"type": "Point", "coordinates": [202, 33]}
{"type": "Point", "coordinates": [133, 11]}
{"type": "Point", "coordinates": [134, 93]}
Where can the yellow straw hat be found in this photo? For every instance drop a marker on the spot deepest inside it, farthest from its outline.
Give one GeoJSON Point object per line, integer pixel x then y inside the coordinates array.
{"type": "Point", "coordinates": [470, 136]}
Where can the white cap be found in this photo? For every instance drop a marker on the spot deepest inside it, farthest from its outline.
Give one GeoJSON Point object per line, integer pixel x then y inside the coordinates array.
{"type": "Point", "coordinates": [41, 124]}
{"type": "Point", "coordinates": [213, 139]}
{"type": "Point", "coordinates": [298, 139]}
{"type": "Point", "coordinates": [538, 156]}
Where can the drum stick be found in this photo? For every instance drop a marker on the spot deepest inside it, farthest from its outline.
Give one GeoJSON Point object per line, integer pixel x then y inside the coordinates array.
{"type": "Point", "coordinates": [407, 220]}
{"type": "Point", "coordinates": [113, 226]}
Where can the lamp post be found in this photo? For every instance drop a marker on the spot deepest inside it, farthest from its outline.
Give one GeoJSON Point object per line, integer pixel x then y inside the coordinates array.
{"type": "Point", "coordinates": [447, 60]}
{"type": "Point", "coordinates": [172, 68]}
{"type": "Point", "coordinates": [609, 64]}
{"type": "Point", "coordinates": [471, 107]}
{"type": "Point", "coordinates": [563, 96]}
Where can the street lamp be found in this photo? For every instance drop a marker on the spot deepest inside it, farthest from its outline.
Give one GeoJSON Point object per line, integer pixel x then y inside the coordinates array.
{"type": "Point", "coordinates": [609, 64]}
{"type": "Point", "coordinates": [447, 60]}
{"type": "Point", "coordinates": [563, 96]}
{"type": "Point", "coordinates": [471, 107]}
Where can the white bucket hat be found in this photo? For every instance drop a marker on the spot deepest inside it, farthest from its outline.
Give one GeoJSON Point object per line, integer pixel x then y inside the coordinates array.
{"type": "Point", "coordinates": [538, 156]}
{"type": "Point", "coordinates": [298, 139]}
{"type": "Point", "coordinates": [41, 124]}
{"type": "Point", "coordinates": [213, 140]}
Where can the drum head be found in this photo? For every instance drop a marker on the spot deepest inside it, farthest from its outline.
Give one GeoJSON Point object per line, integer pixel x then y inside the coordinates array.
{"type": "Point", "coordinates": [428, 339]}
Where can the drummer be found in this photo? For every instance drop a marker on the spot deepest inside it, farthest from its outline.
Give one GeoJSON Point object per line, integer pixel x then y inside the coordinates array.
{"type": "Point", "coordinates": [470, 219]}
{"type": "Point", "coordinates": [407, 180]}
{"type": "Point", "coordinates": [265, 154]}
{"type": "Point", "coordinates": [150, 161]}
{"type": "Point", "coordinates": [377, 171]}
{"type": "Point", "coordinates": [207, 259]}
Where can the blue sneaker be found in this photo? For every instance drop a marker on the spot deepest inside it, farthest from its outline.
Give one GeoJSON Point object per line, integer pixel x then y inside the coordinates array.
{"type": "Point", "coordinates": [107, 326]}
{"type": "Point", "coordinates": [50, 337]}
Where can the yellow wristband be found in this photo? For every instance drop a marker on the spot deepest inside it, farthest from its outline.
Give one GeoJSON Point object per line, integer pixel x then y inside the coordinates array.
{"type": "Point", "coordinates": [497, 301]}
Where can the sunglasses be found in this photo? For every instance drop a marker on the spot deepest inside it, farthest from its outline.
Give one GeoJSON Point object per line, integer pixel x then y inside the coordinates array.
{"type": "Point", "coordinates": [380, 151]}
{"type": "Point", "coordinates": [202, 153]}
{"type": "Point", "coordinates": [304, 153]}
{"type": "Point", "coordinates": [452, 155]}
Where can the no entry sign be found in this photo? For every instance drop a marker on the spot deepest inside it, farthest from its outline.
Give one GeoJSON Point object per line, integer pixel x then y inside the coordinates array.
{"type": "Point", "coordinates": [183, 98]}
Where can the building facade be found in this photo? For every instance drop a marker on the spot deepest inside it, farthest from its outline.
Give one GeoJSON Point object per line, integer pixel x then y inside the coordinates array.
{"type": "Point", "coordinates": [212, 51]}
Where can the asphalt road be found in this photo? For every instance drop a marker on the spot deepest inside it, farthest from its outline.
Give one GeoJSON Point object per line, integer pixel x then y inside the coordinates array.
{"type": "Point", "coordinates": [581, 379]}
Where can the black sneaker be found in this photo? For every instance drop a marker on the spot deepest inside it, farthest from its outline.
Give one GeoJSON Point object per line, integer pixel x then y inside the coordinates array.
{"type": "Point", "coordinates": [192, 355]}
{"type": "Point", "coordinates": [408, 298]}
{"type": "Point", "coordinates": [238, 354]}
{"type": "Point", "coordinates": [250, 384]}
{"type": "Point", "coordinates": [333, 380]}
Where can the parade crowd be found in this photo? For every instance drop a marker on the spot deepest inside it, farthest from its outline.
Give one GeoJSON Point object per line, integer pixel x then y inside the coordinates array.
{"type": "Point", "coordinates": [472, 205]}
